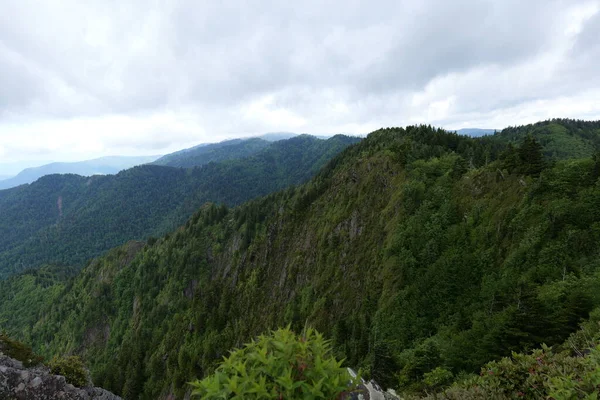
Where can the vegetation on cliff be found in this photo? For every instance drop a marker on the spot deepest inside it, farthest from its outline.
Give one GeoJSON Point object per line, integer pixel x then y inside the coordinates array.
{"type": "Point", "coordinates": [68, 219]}
{"type": "Point", "coordinates": [422, 254]}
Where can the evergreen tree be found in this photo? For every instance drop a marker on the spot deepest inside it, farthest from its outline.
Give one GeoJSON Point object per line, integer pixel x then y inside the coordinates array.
{"type": "Point", "coordinates": [531, 156]}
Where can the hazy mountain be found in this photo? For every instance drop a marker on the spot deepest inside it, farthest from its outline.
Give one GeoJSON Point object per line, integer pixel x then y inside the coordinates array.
{"type": "Point", "coordinates": [68, 219]}
{"type": "Point", "coordinates": [210, 152]}
{"type": "Point", "coordinates": [98, 166]}
{"type": "Point", "coordinates": [476, 132]}
{"type": "Point", "coordinates": [275, 136]}
{"type": "Point", "coordinates": [226, 150]}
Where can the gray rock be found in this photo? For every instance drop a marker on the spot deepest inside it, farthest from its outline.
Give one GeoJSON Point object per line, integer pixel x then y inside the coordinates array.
{"type": "Point", "coordinates": [36, 383]}
{"type": "Point", "coordinates": [369, 391]}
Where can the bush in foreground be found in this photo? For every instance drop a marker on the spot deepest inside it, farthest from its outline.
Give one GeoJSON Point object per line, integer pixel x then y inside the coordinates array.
{"type": "Point", "coordinates": [19, 351]}
{"type": "Point", "coordinates": [72, 368]}
{"type": "Point", "coordinates": [281, 365]}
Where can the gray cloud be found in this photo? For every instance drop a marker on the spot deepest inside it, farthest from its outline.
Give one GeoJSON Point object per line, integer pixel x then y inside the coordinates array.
{"type": "Point", "coordinates": [208, 70]}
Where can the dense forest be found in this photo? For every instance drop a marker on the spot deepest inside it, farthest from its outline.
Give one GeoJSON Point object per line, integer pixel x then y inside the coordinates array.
{"type": "Point", "coordinates": [214, 152]}
{"type": "Point", "coordinates": [419, 252]}
{"type": "Point", "coordinates": [68, 219]}
{"type": "Point", "coordinates": [560, 138]}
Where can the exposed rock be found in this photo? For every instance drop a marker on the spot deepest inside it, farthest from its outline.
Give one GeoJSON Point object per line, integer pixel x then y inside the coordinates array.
{"type": "Point", "coordinates": [36, 383]}
{"type": "Point", "coordinates": [369, 391]}
{"type": "Point", "coordinates": [190, 289]}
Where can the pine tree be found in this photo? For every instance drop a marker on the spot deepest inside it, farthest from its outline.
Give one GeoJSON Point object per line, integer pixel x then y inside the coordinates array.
{"type": "Point", "coordinates": [531, 157]}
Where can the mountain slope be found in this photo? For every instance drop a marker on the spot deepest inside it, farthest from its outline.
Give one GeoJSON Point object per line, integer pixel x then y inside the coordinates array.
{"type": "Point", "coordinates": [399, 250]}
{"type": "Point", "coordinates": [560, 138]}
{"type": "Point", "coordinates": [98, 166]}
{"type": "Point", "coordinates": [67, 219]}
{"type": "Point", "coordinates": [205, 153]}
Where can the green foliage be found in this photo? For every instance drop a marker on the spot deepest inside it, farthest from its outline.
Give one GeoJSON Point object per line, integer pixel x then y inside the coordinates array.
{"type": "Point", "coordinates": [416, 251]}
{"type": "Point", "coordinates": [437, 378]}
{"type": "Point", "coordinates": [214, 152]}
{"type": "Point", "coordinates": [72, 368]}
{"type": "Point", "coordinates": [22, 296]}
{"type": "Point", "coordinates": [280, 365]}
{"type": "Point", "coordinates": [541, 374]}
{"type": "Point", "coordinates": [531, 157]}
{"type": "Point", "coordinates": [559, 138]}
{"type": "Point", "coordinates": [19, 351]}
{"type": "Point", "coordinates": [68, 219]}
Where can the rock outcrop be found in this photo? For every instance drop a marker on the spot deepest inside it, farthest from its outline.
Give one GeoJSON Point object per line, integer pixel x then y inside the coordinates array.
{"type": "Point", "coordinates": [369, 391]}
{"type": "Point", "coordinates": [37, 383]}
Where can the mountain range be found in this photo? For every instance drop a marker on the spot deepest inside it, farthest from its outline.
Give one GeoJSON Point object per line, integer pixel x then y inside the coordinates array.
{"type": "Point", "coordinates": [422, 254]}
{"type": "Point", "coordinates": [98, 166]}
{"type": "Point", "coordinates": [194, 156]}
{"type": "Point", "coordinates": [67, 219]}
{"type": "Point", "coordinates": [476, 132]}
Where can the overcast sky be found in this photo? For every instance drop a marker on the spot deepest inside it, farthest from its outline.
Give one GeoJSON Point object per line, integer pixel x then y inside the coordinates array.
{"type": "Point", "coordinates": [82, 79]}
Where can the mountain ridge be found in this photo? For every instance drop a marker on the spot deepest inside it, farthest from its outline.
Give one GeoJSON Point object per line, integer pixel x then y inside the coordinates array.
{"type": "Point", "coordinates": [69, 218]}
{"type": "Point", "coordinates": [97, 166]}
{"type": "Point", "coordinates": [367, 251]}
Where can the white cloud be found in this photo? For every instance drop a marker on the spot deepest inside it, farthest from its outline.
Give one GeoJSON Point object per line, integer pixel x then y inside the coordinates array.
{"type": "Point", "coordinates": [86, 79]}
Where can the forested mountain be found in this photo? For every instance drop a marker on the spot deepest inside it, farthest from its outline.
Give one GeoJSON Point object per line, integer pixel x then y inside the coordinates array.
{"type": "Point", "coordinates": [225, 150]}
{"type": "Point", "coordinates": [98, 166]}
{"type": "Point", "coordinates": [67, 219]}
{"type": "Point", "coordinates": [205, 153]}
{"type": "Point", "coordinates": [415, 249]}
{"type": "Point", "coordinates": [560, 138]}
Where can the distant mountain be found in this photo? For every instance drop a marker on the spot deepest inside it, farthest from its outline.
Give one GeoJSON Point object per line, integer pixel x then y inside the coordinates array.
{"type": "Point", "coordinates": [476, 132]}
{"type": "Point", "coordinates": [275, 136]}
{"type": "Point", "coordinates": [211, 152]}
{"type": "Point", "coordinates": [10, 169]}
{"type": "Point", "coordinates": [3, 177]}
{"type": "Point", "coordinates": [98, 166]}
{"type": "Point", "coordinates": [67, 219]}
{"type": "Point", "coordinates": [226, 150]}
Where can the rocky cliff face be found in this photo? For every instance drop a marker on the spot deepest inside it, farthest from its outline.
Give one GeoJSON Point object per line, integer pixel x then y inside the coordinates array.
{"type": "Point", "coordinates": [36, 383]}
{"type": "Point", "coordinates": [369, 391]}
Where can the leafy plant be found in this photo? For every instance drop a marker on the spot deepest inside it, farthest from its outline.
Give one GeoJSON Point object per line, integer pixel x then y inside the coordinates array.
{"type": "Point", "coordinates": [19, 351]}
{"type": "Point", "coordinates": [72, 368]}
{"type": "Point", "coordinates": [542, 374]}
{"type": "Point", "coordinates": [438, 378]}
{"type": "Point", "coordinates": [280, 365]}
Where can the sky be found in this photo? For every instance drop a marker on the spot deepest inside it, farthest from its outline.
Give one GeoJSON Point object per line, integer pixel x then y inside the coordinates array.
{"type": "Point", "coordinates": [84, 79]}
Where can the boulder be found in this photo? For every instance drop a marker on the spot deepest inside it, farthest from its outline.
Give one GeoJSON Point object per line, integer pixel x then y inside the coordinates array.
{"type": "Point", "coordinates": [37, 383]}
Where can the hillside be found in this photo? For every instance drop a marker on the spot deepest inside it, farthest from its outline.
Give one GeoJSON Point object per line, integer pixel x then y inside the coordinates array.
{"type": "Point", "coordinates": [213, 152]}
{"type": "Point", "coordinates": [98, 166]}
{"type": "Point", "coordinates": [412, 250]}
{"type": "Point", "coordinates": [560, 138]}
{"type": "Point", "coordinates": [67, 219]}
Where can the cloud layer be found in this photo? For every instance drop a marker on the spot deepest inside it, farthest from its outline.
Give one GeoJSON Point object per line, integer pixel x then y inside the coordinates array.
{"type": "Point", "coordinates": [85, 79]}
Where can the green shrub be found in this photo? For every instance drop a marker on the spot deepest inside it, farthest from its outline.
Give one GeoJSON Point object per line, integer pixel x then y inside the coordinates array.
{"type": "Point", "coordinates": [19, 351]}
{"type": "Point", "coordinates": [72, 368]}
{"type": "Point", "coordinates": [438, 378]}
{"type": "Point", "coordinates": [542, 374]}
{"type": "Point", "coordinates": [280, 365]}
